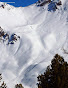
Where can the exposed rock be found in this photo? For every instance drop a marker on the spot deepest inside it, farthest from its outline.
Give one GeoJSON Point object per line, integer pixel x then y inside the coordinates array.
{"type": "Point", "coordinates": [13, 39]}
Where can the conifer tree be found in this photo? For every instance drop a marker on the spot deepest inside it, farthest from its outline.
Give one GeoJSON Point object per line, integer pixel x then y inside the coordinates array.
{"type": "Point", "coordinates": [56, 75]}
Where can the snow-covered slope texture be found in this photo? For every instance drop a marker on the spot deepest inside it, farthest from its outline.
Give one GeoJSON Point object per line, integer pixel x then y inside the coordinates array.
{"type": "Point", "coordinates": [42, 34]}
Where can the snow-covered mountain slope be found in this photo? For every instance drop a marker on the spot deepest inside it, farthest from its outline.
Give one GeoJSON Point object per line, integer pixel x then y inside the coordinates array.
{"type": "Point", "coordinates": [42, 34]}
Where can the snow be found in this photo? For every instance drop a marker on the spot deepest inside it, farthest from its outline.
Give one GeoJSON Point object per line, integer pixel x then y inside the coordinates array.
{"type": "Point", "coordinates": [42, 34]}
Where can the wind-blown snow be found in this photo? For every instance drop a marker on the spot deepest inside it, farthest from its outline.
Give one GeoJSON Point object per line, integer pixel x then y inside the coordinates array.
{"type": "Point", "coordinates": [42, 35]}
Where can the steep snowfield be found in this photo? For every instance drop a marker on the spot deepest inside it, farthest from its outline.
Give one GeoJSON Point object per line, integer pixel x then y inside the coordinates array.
{"type": "Point", "coordinates": [42, 35]}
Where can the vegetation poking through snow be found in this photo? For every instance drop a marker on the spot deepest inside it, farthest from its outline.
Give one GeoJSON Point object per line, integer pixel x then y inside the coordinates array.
{"type": "Point", "coordinates": [56, 75]}
{"type": "Point", "coordinates": [3, 84]}
{"type": "Point", "coordinates": [5, 36]}
{"type": "Point", "coordinates": [19, 86]}
{"type": "Point", "coordinates": [0, 77]}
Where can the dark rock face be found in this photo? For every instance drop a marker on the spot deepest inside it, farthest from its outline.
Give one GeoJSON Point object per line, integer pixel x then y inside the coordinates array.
{"type": "Point", "coordinates": [5, 36]}
{"type": "Point", "coordinates": [43, 2]}
{"type": "Point", "coordinates": [13, 38]}
{"type": "Point", "coordinates": [52, 5]}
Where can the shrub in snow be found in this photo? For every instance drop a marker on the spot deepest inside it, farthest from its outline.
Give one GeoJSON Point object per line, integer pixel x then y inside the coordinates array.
{"type": "Point", "coordinates": [19, 86]}
{"type": "Point", "coordinates": [0, 77]}
{"type": "Point", "coordinates": [3, 35]}
{"type": "Point", "coordinates": [2, 6]}
{"type": "Point", "coordinates": [59, 3]}
{"type": "Point", "coordinates": [3, 85]}
{"type": "Point", "coordinates": [56, 75]}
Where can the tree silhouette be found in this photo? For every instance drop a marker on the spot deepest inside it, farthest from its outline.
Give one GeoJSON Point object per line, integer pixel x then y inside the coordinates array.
{"type": "Point", "coordinates": [56, 75]}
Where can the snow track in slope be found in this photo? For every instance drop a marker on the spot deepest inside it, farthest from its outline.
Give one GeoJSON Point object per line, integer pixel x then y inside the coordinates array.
{"type": "Point", "coordinates": [42, 35]}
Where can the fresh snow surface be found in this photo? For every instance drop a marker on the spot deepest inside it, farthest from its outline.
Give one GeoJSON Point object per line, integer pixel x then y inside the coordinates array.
{"type": "Point", "coordinates": [42, 34]}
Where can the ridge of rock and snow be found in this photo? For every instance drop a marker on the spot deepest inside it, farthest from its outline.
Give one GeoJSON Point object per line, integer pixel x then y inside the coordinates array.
{"type": "Point", "coordinates": [42, 34]}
